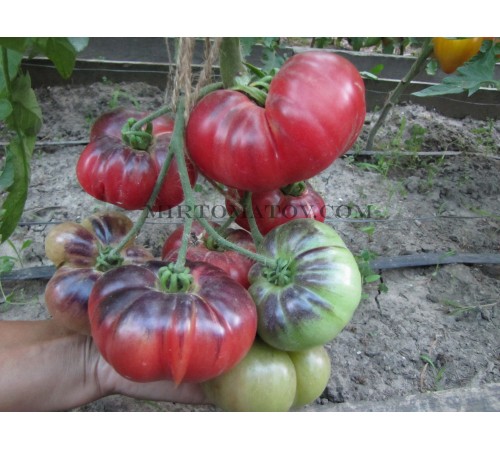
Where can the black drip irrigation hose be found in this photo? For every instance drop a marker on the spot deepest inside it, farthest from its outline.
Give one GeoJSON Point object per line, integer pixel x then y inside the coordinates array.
{"type": "Point", "coordinates": [380, 263]}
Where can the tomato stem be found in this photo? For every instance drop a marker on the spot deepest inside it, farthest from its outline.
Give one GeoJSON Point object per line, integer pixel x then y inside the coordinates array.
{"type": "Point", "coordinates": [264, 260]}
{"type": "Point", "coordinates": [231, 65]}
{"type": "Point", "coordinates": [393, 97]}
{"type": "Point", "coordinates": [254, 229]}
{"type": "Point", "coordinates": [137, 126]}
{"type": "Point", "coordinates": [294, 189]}
{"type": "Point", "coordinates": [177, 146]}
{"type": "Point", "coordinates": [5, 68]}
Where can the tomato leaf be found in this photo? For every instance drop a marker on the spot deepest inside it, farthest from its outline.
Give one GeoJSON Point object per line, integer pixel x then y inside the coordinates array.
{"type": "Point", "coordinates": [18, 44]}
{"type": "Point", "coordinates": [14, 62]}
{"type": "Point", "coordinates": [62, 53]}
{"type": "Point", "coordinates": [476, 73]}
{"type": "Point", "coordinates": [5, 108]}
{"type": "Point", "coordinates": [13, 205]}
{"type": "Point", "coordinates": [7, 174]}
{"type": "Point", "coordinates": [26, 115]}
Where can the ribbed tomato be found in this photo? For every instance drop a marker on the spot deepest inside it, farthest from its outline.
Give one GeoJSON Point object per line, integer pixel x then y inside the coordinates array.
{"type": "Point", "coordinates": [314, 112]}
{"type": "Point", "coordinates": [75, 249]}
{"type": "Point", "coordinates": [147, 333]}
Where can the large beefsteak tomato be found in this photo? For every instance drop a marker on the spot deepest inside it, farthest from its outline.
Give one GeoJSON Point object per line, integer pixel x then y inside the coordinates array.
{"type": "Point", "coordinates": [314, 112]}
{"type": "Point", "coordinates": [312, 294]}
{"type": "Point", "coordinates": [149, 334]}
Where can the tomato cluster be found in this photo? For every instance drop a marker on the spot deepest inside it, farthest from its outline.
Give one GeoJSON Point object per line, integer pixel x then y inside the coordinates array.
{"type": "Point", "coordinates": [246, 314]}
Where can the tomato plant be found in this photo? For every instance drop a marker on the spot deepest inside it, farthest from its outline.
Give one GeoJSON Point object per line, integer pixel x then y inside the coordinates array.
{"type": "Point", "coordinates": [76, 250]}
{"type": "Point", "coordinates": [453, 53]}
{"type": "Point", "coordinates": [314, 111]}
{"type": "Point", "coordinates": [148, 331]}
{"type": "Point", "coordinates": [117, 172]}
{"type": "Point", "coordinates": [203, 248]}
{"type": "Point", "coordinates": [268, 379]}
{"type": "Point", "coordinates": [273, 208]}
{"type": "Point", "coordinates": [312, 293]}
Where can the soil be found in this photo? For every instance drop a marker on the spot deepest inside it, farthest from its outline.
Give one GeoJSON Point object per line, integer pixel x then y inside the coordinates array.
{"type": "Point", "coordinates": [417, 330]}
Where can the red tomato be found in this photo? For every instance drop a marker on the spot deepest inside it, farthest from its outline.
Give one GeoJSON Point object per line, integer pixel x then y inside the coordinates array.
{"type": "Point", "coordinates": [201, 248]}
{"type": "Point", "coordinates": [114, 172]}
{"type": "Point", "coordinates": [112, 122]}
{"type": "Point", "coordinates": [276, 207]}
{"type": "Point", "coordinates": [314, 112]}
{"type": "Point", "coordinates": [147, 334]}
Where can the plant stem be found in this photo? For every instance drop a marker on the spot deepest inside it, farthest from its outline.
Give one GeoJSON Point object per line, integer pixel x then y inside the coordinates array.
{"type": "Point", "coordinates": [264, 260]}
{"type": "Point", "coordinates": [394, 95]}
{"type": "Point", "coordinates": [177, 145]}
{"type": "Point", "coordinates": [149, 118]}
{"type": "Point", "coordinates": [5, 67]}
{"type": "Point", "coordinates": [231, 65]}
{"type": "Point", "coordinates": [254, 229]}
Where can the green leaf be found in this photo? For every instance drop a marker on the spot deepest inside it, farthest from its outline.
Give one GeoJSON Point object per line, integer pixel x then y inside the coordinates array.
{"type": "Point", "coordinates": [62, 53]}
{"type": "Point", "coordinates": [13, 205]}
{"type": "Point", "coordinates": [18, 44]}
{"type": "Point", "coordinates": [7, 175]}
{"type": "Point", "coordinates": [371, 278]}
{"type": "Point", "coordinates": [26, 115]}
{"type": "Point", "coordinates": [14, 62]}
{"type": "Point", "coordinates": [5, 108]}
{"type": "Point", "coordinates": [476, 73]}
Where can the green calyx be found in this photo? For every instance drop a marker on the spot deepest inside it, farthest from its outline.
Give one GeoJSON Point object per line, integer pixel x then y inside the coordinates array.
{"type": "Point", "coordinates": [256, 94]}
{"type": "Point", "coordinates": [294, 189]}
{"type": "Point", "coordinates": [173, 280]}
{"type": "Point", "coordinates": [108, 259]}
{"type": "Point", "coordinates": [281, 274]}
{"type": "Point", "coordinates": [137, 139]}
{"type": "Point", "coordinates": [212, 244]}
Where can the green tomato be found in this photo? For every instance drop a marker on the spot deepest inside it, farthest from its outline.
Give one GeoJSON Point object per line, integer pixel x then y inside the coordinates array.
{"type": "Point", "coordinates": [263, 381]}
{"type": "Point", "coordinates": [268, 379]}
{"type": "Point", "coordinates": [313, 369]}
{"type": "Point", "coordinates": [312, 294]}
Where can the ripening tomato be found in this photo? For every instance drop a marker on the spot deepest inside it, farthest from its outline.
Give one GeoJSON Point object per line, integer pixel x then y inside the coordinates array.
{"type": "Point", "coordinates": [203, 248]}
{"type": "Point", "coordinates": [274, 208]}
{"type": "Point", "coordinates": [75, 248]}
{"type": "Point", "coordinates": [312, 293]}
{"type": "Point", "coordinates": [111, 123]}
{"type": "Point", "coordinates": [147, 333]}
{"type": "Point", "coordinates": [314, 112]}
{"type": "Point", "coordinates": [453, 53]}
{"type": "Point", "coordinates": [268, 379]}
{"type": "Point", "coordinates": [113, 171]}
